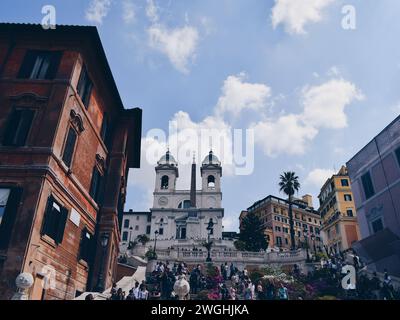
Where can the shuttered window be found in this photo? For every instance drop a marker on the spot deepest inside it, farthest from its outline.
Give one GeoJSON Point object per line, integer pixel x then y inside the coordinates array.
{"type": "Point", "coordinates": [86, 246]}
{"type": "Point", "coordinates": [18, 127]}
{"type": "Point", "coordinates": [55, 219]}
{"type": "Point", "coordinates": [9, 202]}
{"type": "Point", "coordinates": [367, 185]}
{"type": "Point", "coordinates": [96, 186]}
{"type": "Point", "coordinates": [69, 147]}
{"type": "Point", "coordinates": [85, 87]}
{"type": "Point", "coordinates": [40, 65]}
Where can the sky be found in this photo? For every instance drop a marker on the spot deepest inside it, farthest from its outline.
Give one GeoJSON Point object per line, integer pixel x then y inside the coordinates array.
{"type": "Point", "coordinates": [311, 81]}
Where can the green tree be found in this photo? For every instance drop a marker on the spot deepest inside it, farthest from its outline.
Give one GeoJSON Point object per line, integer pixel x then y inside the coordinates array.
{"type": "Point", "coordinates": [143, 239]}
{"type": "Point", "coordinates": [239, 245]}
{"type": "Point", "coordinates": [289, 184]}
{"type": "Point", "coordinates": [252, 235]}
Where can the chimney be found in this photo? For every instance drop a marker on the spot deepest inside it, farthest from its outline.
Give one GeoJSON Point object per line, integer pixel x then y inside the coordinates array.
{"type": "Point", "coordinates": [308, 199]}
{"type": "Point", "coordinates": [193, 185]}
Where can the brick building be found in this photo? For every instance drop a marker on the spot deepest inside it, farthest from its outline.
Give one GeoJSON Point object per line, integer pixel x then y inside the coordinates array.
{"type": "Point", "coordinates": [274, 213]}
{"type": "Point", "coordinates": [339, 216]}
{"type": "Point", "coordinates": [66, 145]}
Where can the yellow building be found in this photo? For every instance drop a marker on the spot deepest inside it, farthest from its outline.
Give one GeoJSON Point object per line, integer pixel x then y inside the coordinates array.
{"type": "Point", "coordinates": [339, 227]}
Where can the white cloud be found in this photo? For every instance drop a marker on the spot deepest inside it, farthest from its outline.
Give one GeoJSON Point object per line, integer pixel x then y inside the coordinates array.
{"type": "Point", "coordinates": [287, 134]}
{"type": "Point", "coordinates": [318, 177]}
{"type": "Point", "coordinates": [238, 95]}
{"type": "Point", "coordinates": [323, 107]}
{"type": "Point", "coordinates": [295, 14]}
{"type": "Point", "coordinates": [324, 104]}
{"type": "Point", "coordinates": [207, 24]}
{"type": "Point", "coordinates": [178, 44]}
{"type": "Point", "coordinates": [129, 13]}
{"type": "Point", "coordinates": [98, 10]}
{"type": "Point", "coordinates": [152, 11]}
{"type": "Point", "coordinates": [230, 223]}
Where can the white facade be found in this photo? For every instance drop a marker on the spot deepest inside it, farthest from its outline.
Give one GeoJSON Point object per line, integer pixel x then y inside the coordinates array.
{"type": "Point", "coordinates": [177, 221]}
{"type": "Point", "coordinates": [134, 224]}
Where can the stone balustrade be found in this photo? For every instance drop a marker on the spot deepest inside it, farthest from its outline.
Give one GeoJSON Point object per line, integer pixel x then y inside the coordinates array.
{"type": "Point", "coordinates": [238, 257]}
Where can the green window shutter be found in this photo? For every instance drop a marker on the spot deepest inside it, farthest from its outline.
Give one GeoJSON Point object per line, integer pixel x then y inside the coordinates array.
{"type": "Point", "coordinates": [12, 127]}
{"type": "Point", "coordinates": [27, 64]}
{"type": "Point", "coordinates": [48, 217]}
{"type": "Point", "coordinates": [24, 127]}
{"type": "Point", "coordinates": [62, 221]}
{"type": "Point", "coordinates": [54, 64]}
{"type": "Point", "coordinates": [69, 147]}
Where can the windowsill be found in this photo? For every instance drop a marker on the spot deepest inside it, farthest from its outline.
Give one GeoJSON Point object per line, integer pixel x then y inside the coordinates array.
{"type": "Point", "coordinates": [48, 240]}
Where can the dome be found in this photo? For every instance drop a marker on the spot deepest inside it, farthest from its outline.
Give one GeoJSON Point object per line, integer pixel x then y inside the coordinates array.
{"type": "Point", "coordinates": [167, 158]}
{"type": "Point", "coordinates": [211, 159]}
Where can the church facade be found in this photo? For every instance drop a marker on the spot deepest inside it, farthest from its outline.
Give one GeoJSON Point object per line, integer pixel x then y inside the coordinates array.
{"type": "Point", "coordinates": [182, 218]}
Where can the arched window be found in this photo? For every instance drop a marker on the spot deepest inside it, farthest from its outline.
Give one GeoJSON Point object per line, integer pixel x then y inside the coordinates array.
{"type": "Point", "coordinates": [164, 182]}
{"type": "Point", "coordinates": [185, 204]}
{"type": "Point", "coordinates": [211, 182]}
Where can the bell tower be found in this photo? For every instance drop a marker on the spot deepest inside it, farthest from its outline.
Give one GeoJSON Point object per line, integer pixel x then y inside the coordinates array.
{"type": "Point", "coordinates": [211, 173]}
{"type": "Point", "coordinates": [166, 174]}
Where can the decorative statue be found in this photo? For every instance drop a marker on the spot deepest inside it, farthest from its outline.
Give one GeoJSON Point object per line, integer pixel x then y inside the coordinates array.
{"type": "Point", "coordinates": [182, 288]}
{"type": "Point", "coordinates": [23, 282]}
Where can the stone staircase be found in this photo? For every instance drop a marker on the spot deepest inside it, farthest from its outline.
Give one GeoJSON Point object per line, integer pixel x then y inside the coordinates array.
{"type": "Point", "coordinates": [126, 283]}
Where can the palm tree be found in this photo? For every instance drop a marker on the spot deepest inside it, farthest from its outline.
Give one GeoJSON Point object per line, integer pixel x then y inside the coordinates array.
{"type": "Point", "coordinates": [289, 184]}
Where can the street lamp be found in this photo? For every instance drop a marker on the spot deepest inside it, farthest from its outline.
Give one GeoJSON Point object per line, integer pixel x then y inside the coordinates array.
{"type": "Point", "coordinates": [155, 240]}
{"type": "Point", "coordinates": [209, 229]}
{"type": "Point", "coordinates": [306, 239]}
{"type": "Point", "coordinates": [313, 240]}
{"type": "Point", "coordinates": [156, 233]}
{"type": "Point", "coordinates": [100, 280]}
{"type": "Point", "coordinates": [130, 234]}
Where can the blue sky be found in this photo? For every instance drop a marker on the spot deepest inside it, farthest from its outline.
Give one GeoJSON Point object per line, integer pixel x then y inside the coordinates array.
{"type": "Point", "coordinates": [312, 92]}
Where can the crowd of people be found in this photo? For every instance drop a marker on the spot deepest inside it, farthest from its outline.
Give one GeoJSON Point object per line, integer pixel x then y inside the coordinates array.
{"type": "Point", "coordinates": [138, 292]}
{"type": "Point", "coordinates": [367, 286]}
{"type": "Point", "coordinates": [227, 282]}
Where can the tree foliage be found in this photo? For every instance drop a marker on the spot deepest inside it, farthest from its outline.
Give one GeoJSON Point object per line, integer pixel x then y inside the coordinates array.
{"type": "Point", "coordinates": [289, 183]}
{"type": "Point", "coordinates": [252, 234]}
{"type": "Point", "coordinates": [143, 239]}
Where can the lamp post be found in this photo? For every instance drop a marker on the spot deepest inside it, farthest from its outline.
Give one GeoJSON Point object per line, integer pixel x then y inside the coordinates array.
{"type": "Point", "coordinates": [209, 229]}
{"type": "Point", "coordinates": [130, 234]}
{"type": "Point", "coordinates": [100, 280]}
{"type": "Point", "coordinates": [306, 239]}
{"type": "Point", "coordinates": [155, 241]}
{"type": "Point", "coordinates": [313, 240]}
